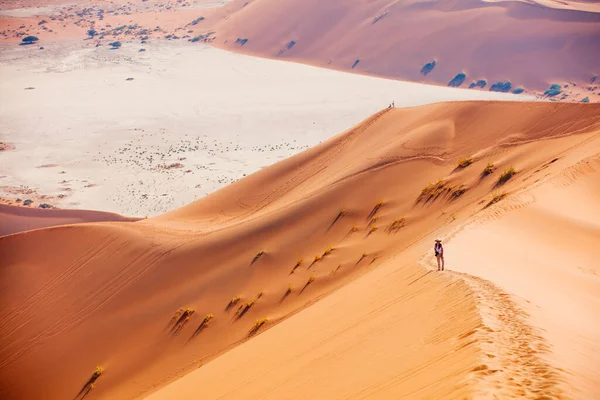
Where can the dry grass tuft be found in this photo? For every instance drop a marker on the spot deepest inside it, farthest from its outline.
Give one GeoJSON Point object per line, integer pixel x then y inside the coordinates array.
{"type": "Point", "coordinates": [372, 230]}
{"type": "Point", "coordinates": [257, 325]}
{"type": "Point", "coordinates": [455, 193]}
{"type": "Point", "coordinates": [233, 302]}
{"type": "Point", "coordinates": [90, 384]}
{"type": "Point", "coordinates": [257, 256]}
{"type": "Point", "coordinates": [340, 214]}
{"type": "Point", "coordinates": [496, 197]}
{"type": "Point", "coordinates": [327, 252]}
{"type": "Point", "coordinates": [396, 225]}
{"type": "Point", "coordinates": [464, 162]}
{"type": "Point", "coordinates": [316, 260]}
{"type": "Point", "coordinates": [434, 190]}
{"type": "Point", "coordinates": [489, 169]}
{"type": "Point", "coordinates": [506, 175]}
{"type": "Point", "coordinates": [298, 264]}
{"type": "Point", "coordinates": [375, 209]}
{"type": "Point", "coordinates": [260, 294]}
{"type": "Point", "coordinates": [244, 308]}
{"type": "Point", "coordinates": [179, 320]}
{"type": "Point", "coordinates": [203, 325]}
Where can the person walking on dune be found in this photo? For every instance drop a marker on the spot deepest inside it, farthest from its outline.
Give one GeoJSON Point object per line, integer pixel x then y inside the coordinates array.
{"type": "Point", "coordinates": [439, 254]}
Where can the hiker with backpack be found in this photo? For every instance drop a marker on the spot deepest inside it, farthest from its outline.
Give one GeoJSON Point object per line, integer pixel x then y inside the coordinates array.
{"type": "Point", "coordinates": [439, 254]}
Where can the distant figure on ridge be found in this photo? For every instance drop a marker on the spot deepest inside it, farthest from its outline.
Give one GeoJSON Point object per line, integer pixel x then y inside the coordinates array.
{"type": "Point", "coordinates": [439, 254]}
{"type": "Point", "coordinates": [393, 104]}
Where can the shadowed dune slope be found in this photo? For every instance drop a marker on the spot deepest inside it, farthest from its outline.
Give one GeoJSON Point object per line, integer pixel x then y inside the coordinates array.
{"type": "Point", "coordinates": [529, 45]}
{"type": "Point", "coordinates": [18, 219]}
{"type": "Point", "coordinates": [348, 219]}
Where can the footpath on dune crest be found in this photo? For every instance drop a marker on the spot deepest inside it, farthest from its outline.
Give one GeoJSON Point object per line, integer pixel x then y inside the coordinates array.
{"type": "Point", "coordinates": [225, 290]}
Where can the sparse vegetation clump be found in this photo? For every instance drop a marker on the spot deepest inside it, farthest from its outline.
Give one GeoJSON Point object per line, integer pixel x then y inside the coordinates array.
{"type": "Point", "coordinates": [457, 80]}
{"type": "Point", "coordinates": [379, 17]}
{"type": "Point", "coordinates": [327, 252]}
{"type": "Point", "coordinates": [180, 319]}
{"type": "Point", "coordinates": [585, 100]}
{"type": "Point", "coordinates": [434, 190]}
{"type": "Point", "coordinates": [427, 68]}
{"type": "Point", "coordinates": [241, 41]}
{"type": "Point", "coordinates": [244, 308]}
{"type": "Point", "coordinates": [195, 22]}
{"type": "Point", "coordinates": [233, 302]}
{"type": "Point", "coordinates": [257, 325]}
{"type": "Point", "coordinates": [481, 83]}
{"type": "Point", "coordinates": [455, 193]}
{"type": "Point", "coordinates": [375, 210]}
{"type": "Point", "coordinates": [501, 87]}
{"type": "Point", "coordinates": [372, 230]}
{"type": "Point", "coordinates": [257, 256]}
{"type": "Point", "coordinates": [506, 175]}
{"type": "Point", "coordinates": [29, 40]}
{"type": "Point", "coordinates": [115, 45]}
{"type": "Point", "coordinates": [203, 325]}
{"type": "Point", "coordinates": [518, 91]}
{"type": "Point", "coordinates": [298, 264]}
{"type": "Point", "coordinates": [489, 169]}
{"type": "Point", "coordinates": [496, 197]}
{"type": "Point", "coordinates": [553, 90]}
{"type": "Point", "coordinates": [396, 225]}
{"type": "Point", "coordinates": [464, 162]}
{"type": "Point", "coordinates": [90, 384]}
{"type": "Point", "coordinates": [340, 214]}
{"type": "Point", "coordinates": [355, 63]}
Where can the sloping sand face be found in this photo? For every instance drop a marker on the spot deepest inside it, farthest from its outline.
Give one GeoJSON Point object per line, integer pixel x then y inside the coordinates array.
{"type": "Point", "coordinates": [530, 44]}
{"type": "Point", "coordinates": [153, 300]}
{"type": "Point", "coordinates": [542, 247]}
{"type": "Point", "coordinates": [88, 137]}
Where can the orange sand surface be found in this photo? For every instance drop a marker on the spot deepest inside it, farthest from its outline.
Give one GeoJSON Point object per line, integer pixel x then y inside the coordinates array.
{"type": "Point", "coordinates": [346, 228]}
{"type": "Point", "coordinates": [17, 219]}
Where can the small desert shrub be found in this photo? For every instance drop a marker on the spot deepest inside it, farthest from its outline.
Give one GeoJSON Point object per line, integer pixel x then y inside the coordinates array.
{"type": "Point", "coordinates": [291, 44]}
{"type": "Point", "coordinates": [355, 63]}
{"type": "Point", "coordinates": [195, 22]}
{"type": "Point", "coordinates": [257, 256]}
{"type": "Point", "coordinates": [554, 90]}
{"type": "Point", "coordinates": [91, 32]}
{"type": "Point", "coordinates": [481, 83]}
{"type": "Point", "coordinates": [434, 190]}
{"type": "Point", "coordinates": [457, 80]}
{"type": "Point", "coordinates": [241, 41]}
{"type": "Point", "coordinates": [585, 100]}
{"type": "Point", "coordinates": [489, 168]}
{"type": "Point", "coordinates": [496, 197]}
{"type": "Point", "coordinates": [501, 87]}
{"type": "Point", "coordinates": [373, 229]}
{"type": "Point", "coordinates": [29, 40]}
{"type": "Point", "coordinates": [298, 264]}
{"type": "Point", "coordinates": [396, 225]}
{"type": "Point", "coordinates": [115, 45]}
{"type": "Point", "coordinates": [506, 175]}
{"type": "Point", "coordinates": [328, 251]}
{"type": "Point", "coordinates": [518, 91]}
{"type": "Point", "coordinates": [375, 209]}
{"type": "Point", "coordinates": [260, 294]}
{"type": "Point", "coordinates": [42, 22]}
{"type": "Point", "coordinates": [258, 324]}
{"type": "Point", "coordinates": [427, 68]}
{"type": "Point", "coordinates": [465, 162]}
{"type": "Point", "coordinates": [340, 214]}
{"type": "Point", "coordinates": [354, 228]}
{"type": "Point", "coordinates": [457, 192]}
{"type": "Point", "coordinates": [290, 289]}
{"type": "Point", "coordinates": [233, 302]}
{"type": "Point", "coordinates": [380, 16]}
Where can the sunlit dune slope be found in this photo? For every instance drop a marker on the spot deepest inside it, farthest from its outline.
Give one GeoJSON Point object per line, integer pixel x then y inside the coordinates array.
{"type": "Point", "coordinates": [17, 219]}
{"type": "Point", "coordinates": [108, 294]}
{"type": "Point", "coordinates": [528, 44]}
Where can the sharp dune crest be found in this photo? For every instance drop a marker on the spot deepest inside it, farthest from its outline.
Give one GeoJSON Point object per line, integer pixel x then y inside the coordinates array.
{"type": "Point", "coordinates": [307, 279]}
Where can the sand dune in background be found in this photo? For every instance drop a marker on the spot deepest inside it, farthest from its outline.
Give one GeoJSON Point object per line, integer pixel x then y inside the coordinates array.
{"type": "Point", "coordinates": [105, 293]}
{"type": "Point", "coordinates": [18, 219]}
{"type": "Point", "coordinates": [530, 45]}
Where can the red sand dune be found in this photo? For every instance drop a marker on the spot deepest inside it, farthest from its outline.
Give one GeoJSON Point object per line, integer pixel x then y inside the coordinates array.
{"type": "Point", "coordinates": [530, 45]}
{"type": "Point", "coordinates": [18, 219]}
{"type": "Point", "coordinates": [83, 295]}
